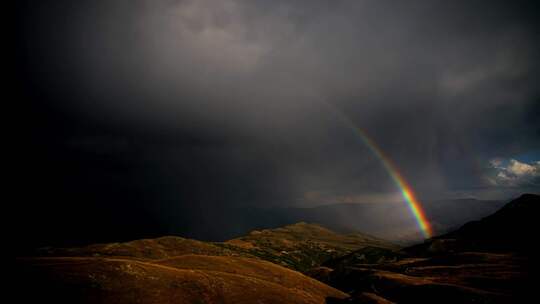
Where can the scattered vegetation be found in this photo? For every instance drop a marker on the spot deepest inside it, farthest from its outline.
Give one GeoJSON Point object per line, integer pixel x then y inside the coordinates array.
{"type": "Point", "coordinates": [303, 246]}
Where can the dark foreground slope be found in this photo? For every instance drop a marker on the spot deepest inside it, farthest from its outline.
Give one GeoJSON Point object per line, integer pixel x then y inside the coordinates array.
{"type": "Point", "coordinates": [486, 261]}
{"type": "Point", "coordinates": [510, 229]}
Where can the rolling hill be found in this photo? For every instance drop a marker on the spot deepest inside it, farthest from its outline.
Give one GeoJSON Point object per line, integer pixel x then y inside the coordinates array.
{"type": "Point", "coordinates": [179, 270]}
{"type": "Point", "coordinates": [158, 248]}
{"type": "Point", "coordinates": [183, 279]}
{"type": "Point", "coordinates": [300, 246]}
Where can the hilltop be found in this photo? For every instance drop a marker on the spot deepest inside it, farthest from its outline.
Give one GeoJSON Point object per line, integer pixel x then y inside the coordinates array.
{"type": "Point", "coordinates": [158, 248]}
{"type": "Point", "coordinates": [302, 246]}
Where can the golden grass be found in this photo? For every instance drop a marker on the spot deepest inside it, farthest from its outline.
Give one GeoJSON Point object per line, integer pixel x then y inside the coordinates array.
{"type": "Point", "coordinates": [185, 279]}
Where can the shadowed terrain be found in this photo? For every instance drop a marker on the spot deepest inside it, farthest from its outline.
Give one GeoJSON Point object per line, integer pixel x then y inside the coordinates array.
{"type": "Point", "coordinates": [486, 261]}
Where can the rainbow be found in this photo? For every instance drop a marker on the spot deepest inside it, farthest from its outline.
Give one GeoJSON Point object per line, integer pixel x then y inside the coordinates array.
{"type": "Point", "coordinates": [406, 191]}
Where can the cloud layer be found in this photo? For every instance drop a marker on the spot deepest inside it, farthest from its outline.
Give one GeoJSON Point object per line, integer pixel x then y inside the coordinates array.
{"type": "Point", "coordinates": [189, 105]}
{"type": "Point", "coordinates": [513, 173]}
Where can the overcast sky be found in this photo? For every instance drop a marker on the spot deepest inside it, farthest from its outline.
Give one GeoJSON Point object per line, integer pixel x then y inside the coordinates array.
{"type": "Point", "coordinates": [233, 103]}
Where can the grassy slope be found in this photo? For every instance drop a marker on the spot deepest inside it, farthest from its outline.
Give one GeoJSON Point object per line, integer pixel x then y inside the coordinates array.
{"type": "Point", "coordinates": [186, 279]}
{"type": "Point", "coordinates": [486, 261]}
{"type": "Point", "coordinates": [179, 270]}
{"type": "Point", "coordinates": [302, 246]}
{"type": "Point", "coordinates": [159, 248]}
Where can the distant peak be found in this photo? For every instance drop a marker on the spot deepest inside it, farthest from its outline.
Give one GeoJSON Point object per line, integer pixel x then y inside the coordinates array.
{"type": "Point", "coordinates": [303, 224]}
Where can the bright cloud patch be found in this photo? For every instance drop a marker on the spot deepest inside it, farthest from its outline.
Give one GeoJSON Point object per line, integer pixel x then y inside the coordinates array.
{"type": "Point", "coordinates": [514, 173]}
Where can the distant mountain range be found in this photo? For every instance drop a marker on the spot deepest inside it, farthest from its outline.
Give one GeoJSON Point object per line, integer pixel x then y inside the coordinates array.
{"type": "Point", "coordinates": [221, 223]}
{"type": "Point", "coordinates": [398, 225]}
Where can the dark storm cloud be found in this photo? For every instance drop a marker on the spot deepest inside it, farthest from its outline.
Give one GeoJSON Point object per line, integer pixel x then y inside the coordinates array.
{"type": "Point", "coordinates": [229, 103]}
